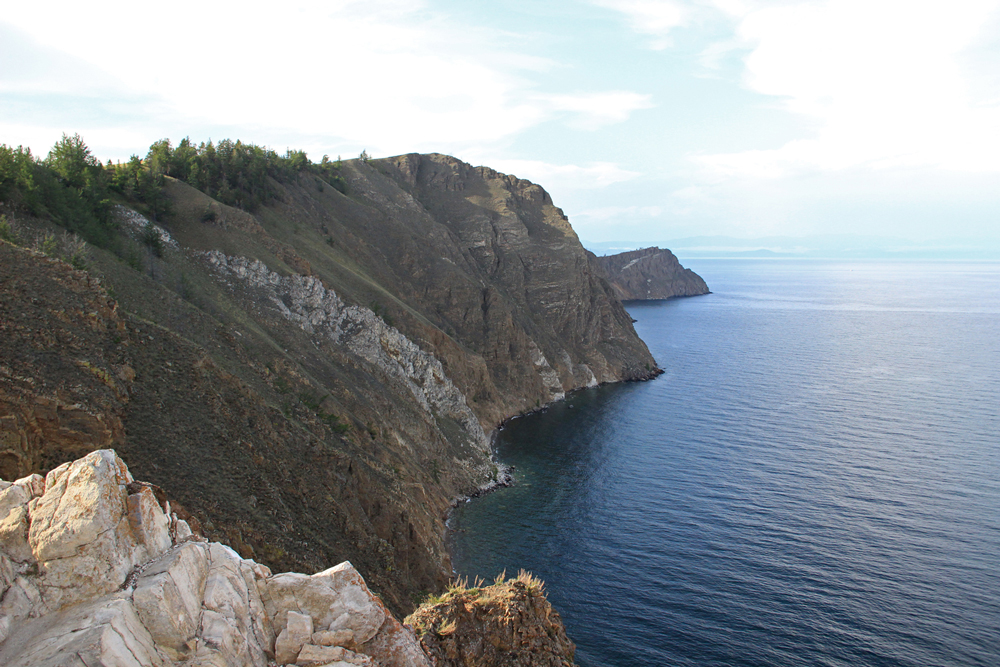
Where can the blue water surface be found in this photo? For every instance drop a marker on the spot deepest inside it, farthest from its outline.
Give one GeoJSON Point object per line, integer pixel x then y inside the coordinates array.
{"type": "Point", "coordinates": [815, 480]}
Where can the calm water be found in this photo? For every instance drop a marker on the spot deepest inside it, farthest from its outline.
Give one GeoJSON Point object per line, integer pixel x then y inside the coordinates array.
{"type": "Point", "coordinates": [814, 481]}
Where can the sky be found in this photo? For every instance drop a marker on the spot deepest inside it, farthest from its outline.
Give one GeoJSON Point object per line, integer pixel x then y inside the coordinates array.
{"type": "Point", "coordinates": [647, 120]}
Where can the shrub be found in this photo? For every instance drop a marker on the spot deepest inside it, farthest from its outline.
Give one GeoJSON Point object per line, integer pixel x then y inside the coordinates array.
{"type": "Point", "coordinates": [7, 232]}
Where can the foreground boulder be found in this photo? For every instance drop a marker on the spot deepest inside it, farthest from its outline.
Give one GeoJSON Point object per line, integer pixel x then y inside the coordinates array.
{"type": "Point", "coordinates": [94, 571]}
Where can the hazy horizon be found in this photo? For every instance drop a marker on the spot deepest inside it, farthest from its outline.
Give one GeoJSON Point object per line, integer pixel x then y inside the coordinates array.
{"type": "Point", "coordinates": [830, 246]}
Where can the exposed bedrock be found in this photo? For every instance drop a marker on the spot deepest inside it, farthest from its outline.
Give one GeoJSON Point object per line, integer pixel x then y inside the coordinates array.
{"type": "Point", "coordinates": [106, 575]}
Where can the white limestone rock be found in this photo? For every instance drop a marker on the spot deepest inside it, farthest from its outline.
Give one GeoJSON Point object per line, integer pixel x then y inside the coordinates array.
{"type": "Point", "coordinates": [182, 531]}
{"type": "Point", "coordinates": [7, 573]}
{"type": "Point", "coordinates": [395, 645]}
{"type": "Point", "coordinates": [334, 638]}
{"type": "Point", "coordinates": [22, 600]}
{"type": "Point", "coordinates": [33, 484]}
{"type": "Point", "coordinates": [107, 587]}
{"type": "Point", "coordinates": [316, 656]}
{"type": "Point", "coordinates": [14, 532]}
{"type": "Point", "coordinates": [80, 533]}
{"type": "Point", "coordinates": [337, 599]}
{"type": "Point", "coordinates": [105, 631]}
{"type": "Point", "coordinates": [148, 522]}
{"type": "Point", "coordinates": [233, 619]}
{"type": "Point", "coordinates": [297, 632]}
{"type": "Point", "coordinates": [12, 497]}
{"type": "Point", "coordinates": [168, 596]}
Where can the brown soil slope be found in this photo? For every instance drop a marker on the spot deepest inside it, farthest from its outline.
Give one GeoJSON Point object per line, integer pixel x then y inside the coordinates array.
{"type": "Point", "coordinates": [312, 380]}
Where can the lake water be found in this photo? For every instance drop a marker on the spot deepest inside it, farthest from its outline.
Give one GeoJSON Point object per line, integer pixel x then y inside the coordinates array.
{"type": "Point", "coordinates": [815, 480]}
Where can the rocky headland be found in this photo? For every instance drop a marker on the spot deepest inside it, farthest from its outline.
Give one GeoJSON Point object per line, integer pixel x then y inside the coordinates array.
{"type": "Point", "coordinates": [312, 380]}
{"type": "Point", "coordinates": [308, 381]}
{"type": "Point", "coordinates": [650, 273]}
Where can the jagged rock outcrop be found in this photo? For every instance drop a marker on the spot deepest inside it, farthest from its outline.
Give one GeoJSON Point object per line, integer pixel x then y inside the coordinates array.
{"type": "Point", "coordinates": [318, 311]}
{"type": "Point", "coordinates": [650, 273]}
{"type": "Point", "coordinates": [111, 577]}
{"type": "Point", "coordinates": [508, 623]}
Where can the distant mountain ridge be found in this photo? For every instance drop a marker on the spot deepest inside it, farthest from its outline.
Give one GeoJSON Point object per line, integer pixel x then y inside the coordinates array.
{"type": "Point", "coordinates": [650, 273]}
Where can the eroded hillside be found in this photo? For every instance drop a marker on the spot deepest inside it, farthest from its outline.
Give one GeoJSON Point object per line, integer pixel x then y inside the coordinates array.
{"type": "Point", "coordinates": [315, 379]}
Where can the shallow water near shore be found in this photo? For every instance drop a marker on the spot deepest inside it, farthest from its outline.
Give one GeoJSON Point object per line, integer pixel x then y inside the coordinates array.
{"type": "Point", "coordinates": [814, 480]}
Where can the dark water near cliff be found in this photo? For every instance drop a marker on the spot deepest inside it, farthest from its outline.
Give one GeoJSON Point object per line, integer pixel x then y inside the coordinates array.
{"type": "Point", "coordinates": [814, 481]}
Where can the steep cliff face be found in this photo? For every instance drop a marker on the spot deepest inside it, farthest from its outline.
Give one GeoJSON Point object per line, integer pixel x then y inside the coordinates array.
{"type": "Point", "coordinates": [650, 273]}
{"type": "Point", "coordinates": [313, 381]}
{"type": "Point", "coordinates": [486, 259]}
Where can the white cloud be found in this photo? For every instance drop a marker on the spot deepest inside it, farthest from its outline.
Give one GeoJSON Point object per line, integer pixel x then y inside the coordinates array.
{"type": "Point", "coordinates": [656, 18]}
{"type": "Point", "coordinates": [389, 75]}
{"type": "Point", "coordinates": [888, 83]}
{"type": "Point", "coordinates": [591, 111]}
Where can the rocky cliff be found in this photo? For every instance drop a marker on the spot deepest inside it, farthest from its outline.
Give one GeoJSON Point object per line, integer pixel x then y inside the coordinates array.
{"type": "Point", "coordinates": [313, 381]}
{"type": "Point", "coordinates": [650, 273]}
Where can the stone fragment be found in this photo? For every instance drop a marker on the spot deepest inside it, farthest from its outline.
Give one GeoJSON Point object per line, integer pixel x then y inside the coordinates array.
{"type": "Point", "coordinates": [80, 532]}
{"type": "Point", "coordinates": [13, 496]}
{"type": "Point", "coordinates": [148, 522]}
{"type": "Point", "coordinates": [233, 620]}
{"type": "Point", "coordinates": [182, 531]}
{"type": "Point", "coordinates": [21, 600]}
{"type": "Point", "coordinates": [296, 633]}
{"type": "Point", "coordinates": [168, 595]}
{"type": "Point", "coordinates": [337, 599]}
{"type": "Point", "coordinates": [33, 484]}
{"type": "Point", "coordinates": [105, 631]}
{"type": "Point", "coordinates": [7, 573]}
{"type": "Point", "coordinates": [82, 500]}
{"type": "Point", "coordinates": [315, 656]}
{"type": "Point", "coordinates": [207, 657]}
{"type": "Point", "coordinates": [14, 533]}
{"type": "Point", "coordinates": [334, 638]}
{"type": "Point", "coordinates": [395, 645]}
